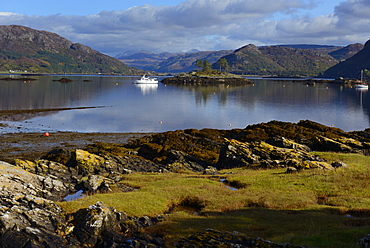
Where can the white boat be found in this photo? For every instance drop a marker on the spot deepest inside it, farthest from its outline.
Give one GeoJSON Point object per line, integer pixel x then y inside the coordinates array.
{"type": "Point", "coordinates": [362, 85]}
{"type": "Point", "coordinates": [146, 80]}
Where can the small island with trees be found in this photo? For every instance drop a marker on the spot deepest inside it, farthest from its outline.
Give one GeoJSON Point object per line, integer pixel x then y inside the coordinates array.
{"type": "Point", "coordinates": [206, 75]}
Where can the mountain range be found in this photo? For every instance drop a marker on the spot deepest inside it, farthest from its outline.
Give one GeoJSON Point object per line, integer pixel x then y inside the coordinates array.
{"type": "Point", "coordinates": [283, 60]}
{"type": "Point", "coordinates": [26, 49]}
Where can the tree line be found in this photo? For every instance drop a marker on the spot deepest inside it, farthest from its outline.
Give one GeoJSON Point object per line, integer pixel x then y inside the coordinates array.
{"type": "Point", "coordinates": [205, 66]}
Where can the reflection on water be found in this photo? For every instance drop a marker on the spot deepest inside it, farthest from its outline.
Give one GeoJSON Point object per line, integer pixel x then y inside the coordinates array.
{"type": "Point", "coordinates": [147, 88]}
{"type": "Point", "coordinates": [158, 108]}
{"type": "Point", "coordinates": [361, 92]}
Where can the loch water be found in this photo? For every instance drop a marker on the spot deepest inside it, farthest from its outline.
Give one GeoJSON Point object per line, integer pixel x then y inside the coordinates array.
{"type": "Point", "coordinates": [121, 106]}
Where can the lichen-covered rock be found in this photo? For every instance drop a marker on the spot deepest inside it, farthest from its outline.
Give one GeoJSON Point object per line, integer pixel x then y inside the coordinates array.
{"type": "Point", "coordinates": [317, 165]}
{"type": "Point", "coordinates": [94, 221]}
{"type": "Point", "coordinates": [237, 154]}
{"type": "Point", "coordinates": [326, 144]}
{"type": "Point", "coordinates": [96, 182]}
{"type": "Point", "coordinates": [350, 142]}
{"type": "Point", "coordinates": [58, 178]}
{"type": "Point", "coordinates": [26, 217]}
{"type": "Point", "coordinates": [88, 163]}
{"type": "Point", "coordinates": [16, 180]}
{"type": "Point", "coordinates": [264, 155]}
{"type": "Point", "coordinates": [180, 162]}
{"type": "Point", "coordinates": [287, 143]}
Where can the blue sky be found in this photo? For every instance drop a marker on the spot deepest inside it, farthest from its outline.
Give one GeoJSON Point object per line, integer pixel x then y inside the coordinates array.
{"type": "Point", "coordinates": [116, 26]}
{"type": "Point", "coordinates": [75, 7]}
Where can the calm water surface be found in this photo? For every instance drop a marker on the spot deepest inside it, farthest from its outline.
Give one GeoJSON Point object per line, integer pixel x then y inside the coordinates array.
{"type": "Point", "coordinates": [125, 107]}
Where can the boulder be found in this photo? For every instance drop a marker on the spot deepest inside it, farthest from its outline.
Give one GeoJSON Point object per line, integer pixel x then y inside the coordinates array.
{"type": "Point", "coordinates": [103, 226]}
{"type": "Point", "coordinates": [339, 164]}
{"type": "Point", "coordinates": [210, 170]}
{"type": "Point", "coordinates": [96, 182]}
{"type": "Point", "coordinates": [261, 154]}
{"type": "Point", "coordinates": [95, 220]}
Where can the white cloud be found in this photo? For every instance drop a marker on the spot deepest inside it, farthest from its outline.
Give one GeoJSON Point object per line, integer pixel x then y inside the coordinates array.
{"type": "Point", "coordinates": [207, 25]}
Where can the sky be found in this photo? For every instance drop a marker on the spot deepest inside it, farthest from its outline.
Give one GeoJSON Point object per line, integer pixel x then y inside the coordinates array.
{"type": "Point", "coordinates": [117, 26]}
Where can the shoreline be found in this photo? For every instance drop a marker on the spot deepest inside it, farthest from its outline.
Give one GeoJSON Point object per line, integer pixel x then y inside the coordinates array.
{"type": "Point", "coordinates": [32, 146]}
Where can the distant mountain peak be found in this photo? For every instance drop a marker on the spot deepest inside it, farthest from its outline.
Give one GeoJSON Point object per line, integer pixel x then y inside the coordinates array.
{"type": "Point", "coordinates": [250, 47]}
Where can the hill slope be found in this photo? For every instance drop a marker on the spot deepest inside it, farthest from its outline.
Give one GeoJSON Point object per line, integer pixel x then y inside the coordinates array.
{"type": "Point", "coordinates": [278, 60]}
{"type": "Point", "coordinates": [26, 49]}
{"type": "Point", "coordinates": [346, 52]}
{"type": "Point", "coordinates": [351, 67]}
{"type": "Point", "coordinates": [322, 48]}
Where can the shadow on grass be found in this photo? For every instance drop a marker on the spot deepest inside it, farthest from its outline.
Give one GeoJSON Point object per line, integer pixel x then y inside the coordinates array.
{"type": "Point", "coordinates": [323, 227]}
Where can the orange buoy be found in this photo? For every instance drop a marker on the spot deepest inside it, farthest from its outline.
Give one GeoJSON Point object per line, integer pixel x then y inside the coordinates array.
{"type": "Point", "coordinates": [46, 134]}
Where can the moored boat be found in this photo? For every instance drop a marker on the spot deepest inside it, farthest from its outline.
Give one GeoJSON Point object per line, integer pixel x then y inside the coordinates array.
{"type": "Point", "coordinates": [362, 84]}
{"type": "Point", "coordinates": [146, 80]}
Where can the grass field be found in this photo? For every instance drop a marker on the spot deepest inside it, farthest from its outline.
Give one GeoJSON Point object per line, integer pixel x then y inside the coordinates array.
{"type": "Point", "coordinates": [313, 208]}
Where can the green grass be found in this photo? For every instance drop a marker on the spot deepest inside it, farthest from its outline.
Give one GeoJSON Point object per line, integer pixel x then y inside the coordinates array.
{"type": "Point", "coordinates": [320, 227]}
{"type": "Point", "coordinates": [306, 208]}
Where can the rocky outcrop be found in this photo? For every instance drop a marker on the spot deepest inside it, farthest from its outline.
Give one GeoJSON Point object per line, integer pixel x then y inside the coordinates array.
{"type": "Point", "coordinates": [267, 145]}
{"type": "Point", "coordinates": [263, 155]}
{"type": "Point", "coordinates": [206, 81]}
{"type": "Point", "coordinates": [29, 218]}
{"type": "Point", "coordinates": [103, 226]}
{"type": "Point", "coordinates": [85, 163]}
